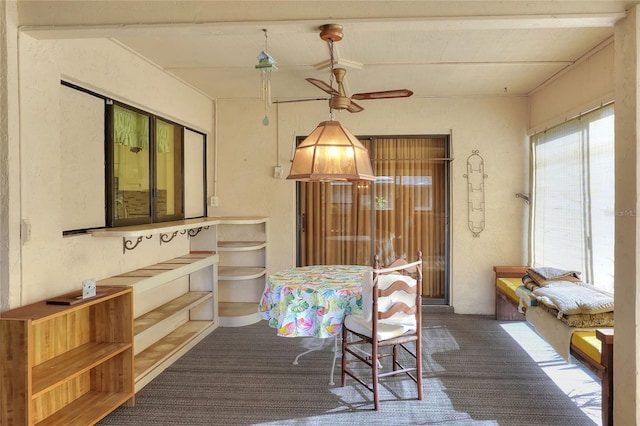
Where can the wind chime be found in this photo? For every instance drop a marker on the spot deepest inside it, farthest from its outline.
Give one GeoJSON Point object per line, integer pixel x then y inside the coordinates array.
{"type": "Point", "coordinates": [266, 65]}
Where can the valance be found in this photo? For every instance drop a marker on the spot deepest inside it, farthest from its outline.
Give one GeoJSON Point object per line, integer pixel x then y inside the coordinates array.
{"type": "Point", "coordinates": [132, 129]}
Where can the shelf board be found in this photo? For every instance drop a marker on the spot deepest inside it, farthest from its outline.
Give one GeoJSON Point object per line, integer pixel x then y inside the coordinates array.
{"type": "Point", "coordinates": [175, 306]}
{"type": "Point", "coordinates": [159, 355]}
{"type": "Point", "coordinates": [147, 278]}
{"type": "Point", "coordinates": [238, 314]}
{"type": "Point", "coordinates": [42, 311]}
{"type": "Point", "coordinates": [87, 410]}
{"type": "Point", "coordinates": [72, 364]}
{"type": "Point", "coordinates": [242, 220]}
{"type": "Point", "coordinates": [238, 273]}
{"type": "Point", "coordinates": [229, 246]}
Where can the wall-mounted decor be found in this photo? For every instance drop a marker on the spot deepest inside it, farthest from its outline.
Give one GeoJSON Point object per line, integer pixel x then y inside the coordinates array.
{"type": "Point", "coordinates": [475, 189]}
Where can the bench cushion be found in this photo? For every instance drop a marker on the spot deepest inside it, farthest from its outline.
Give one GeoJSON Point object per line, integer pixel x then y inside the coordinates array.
{"type": "Point", "coordinates": [571, 298]}
{"type": "Point", "coordinates": [508, 286]}
{"type": "Point", "coordinates": [588, 343]}
{"type": "Point", "coordinates": [513, 288]}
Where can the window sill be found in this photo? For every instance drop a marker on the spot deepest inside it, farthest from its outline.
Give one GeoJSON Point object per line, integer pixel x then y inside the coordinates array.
{"type": "Point", "coordinates": [132, 235]}
{"type": "Point", "coordinates": [150, 229]}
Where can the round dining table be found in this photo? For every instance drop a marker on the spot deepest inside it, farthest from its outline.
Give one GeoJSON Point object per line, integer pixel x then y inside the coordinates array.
{"type": "Point", "coordinates": [312, 301]}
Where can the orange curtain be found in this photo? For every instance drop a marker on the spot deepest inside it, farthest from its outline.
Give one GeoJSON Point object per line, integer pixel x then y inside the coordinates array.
{"type": "Point", "coordinates": [410, 200]}
{"type": "Point", "coordinates": [336, 223]}
{"type": "Point", "coordinates": [402, 212]}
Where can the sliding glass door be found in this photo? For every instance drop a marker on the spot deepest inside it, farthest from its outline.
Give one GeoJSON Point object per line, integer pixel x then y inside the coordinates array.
{"type": "Point", "coordinates": [403, 211]}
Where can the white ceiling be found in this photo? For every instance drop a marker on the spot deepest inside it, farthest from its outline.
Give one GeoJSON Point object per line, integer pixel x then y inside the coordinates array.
{"type": "Point", "coordinates": [433, 47]}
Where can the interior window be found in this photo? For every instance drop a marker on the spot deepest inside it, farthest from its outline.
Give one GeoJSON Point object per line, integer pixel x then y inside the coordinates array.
{"type": "Point", "coordinates": [135, 165]}
{"type": "Point", "coordinates": [146, 178]}
{"type": "Point", "coordinates": [168, 203]}
{"type": "Point", "coordinates": [131, 183]}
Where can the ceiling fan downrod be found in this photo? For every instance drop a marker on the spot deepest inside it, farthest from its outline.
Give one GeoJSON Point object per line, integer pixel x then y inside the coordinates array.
{"type": "Point", "coordinates": [340, 101]}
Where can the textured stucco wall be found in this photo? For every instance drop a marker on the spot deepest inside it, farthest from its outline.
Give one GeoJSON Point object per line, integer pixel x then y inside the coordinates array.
{"type": "Point", "coordinates": [247, 152]}
{"type": "Point", "coordinates": [10, 266]}
{"type": "Point", "coordinates": [53, 264]}
{"type": "Point", "coordinates": [495, 126]}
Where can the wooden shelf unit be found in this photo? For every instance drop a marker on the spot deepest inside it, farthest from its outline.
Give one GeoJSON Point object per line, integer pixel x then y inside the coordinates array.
{"type": "Point", "coordinates": [175, 307]}
{"type": "Point", "coordinates": [57, 360]}
{"type": "Point", "coordinates": [242, 246]}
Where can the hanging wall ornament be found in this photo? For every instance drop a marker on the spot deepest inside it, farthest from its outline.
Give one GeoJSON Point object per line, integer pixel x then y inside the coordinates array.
{"type": "Point", "coordinates": [266, 65]}
{"type": "Point", "coordinates": [475, 189]}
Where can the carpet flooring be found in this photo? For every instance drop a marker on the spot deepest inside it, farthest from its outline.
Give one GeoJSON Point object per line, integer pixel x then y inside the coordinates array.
{"type": "Point", "coordinates": [476, 372]}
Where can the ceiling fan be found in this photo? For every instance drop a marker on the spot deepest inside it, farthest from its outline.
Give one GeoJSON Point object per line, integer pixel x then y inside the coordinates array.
{"type": "Point", "coordinates": [339, 99]}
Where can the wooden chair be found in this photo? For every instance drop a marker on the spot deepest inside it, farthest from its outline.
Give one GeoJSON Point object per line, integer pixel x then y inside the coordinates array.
{"type": "Point", "coordinates": [391, 320]}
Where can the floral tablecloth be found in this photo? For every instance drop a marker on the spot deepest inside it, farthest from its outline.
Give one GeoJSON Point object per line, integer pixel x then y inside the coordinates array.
{"type": "Point", "coordinates": [312, 301]}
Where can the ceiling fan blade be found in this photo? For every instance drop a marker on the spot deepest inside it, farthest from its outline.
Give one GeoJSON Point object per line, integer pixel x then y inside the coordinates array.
{"type": "Point", "coordinates": [400, 93]}
{"type": "Point", "coordinates": [323, 86]}
{"type": "Point", "coordinates": [287, 101]}
{"type": "Point", "coordinates": [354, 107]}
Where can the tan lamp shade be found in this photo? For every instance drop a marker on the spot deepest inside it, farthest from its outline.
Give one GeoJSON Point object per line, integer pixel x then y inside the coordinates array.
{"type": "Point", "coordinates": [329, 153]}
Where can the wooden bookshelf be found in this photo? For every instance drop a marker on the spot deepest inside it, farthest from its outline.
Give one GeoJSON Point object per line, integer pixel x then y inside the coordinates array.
{"type": "Point", "coordinates": [67, 364]}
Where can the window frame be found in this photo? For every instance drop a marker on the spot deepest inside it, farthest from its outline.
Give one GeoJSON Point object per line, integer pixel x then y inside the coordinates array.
{"type": "Point", "coordinates": [580, 185]}
{"type": "Point", "coordinates": [110, 201]}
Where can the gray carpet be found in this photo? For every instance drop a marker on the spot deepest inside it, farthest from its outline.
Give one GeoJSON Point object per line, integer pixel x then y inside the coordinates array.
{"type": "Point", "coordinates": [474, 373]}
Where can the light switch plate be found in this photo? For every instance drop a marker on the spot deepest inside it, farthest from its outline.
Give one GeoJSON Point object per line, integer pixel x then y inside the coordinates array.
{"type": "Point", "coordinates": [88, 288]}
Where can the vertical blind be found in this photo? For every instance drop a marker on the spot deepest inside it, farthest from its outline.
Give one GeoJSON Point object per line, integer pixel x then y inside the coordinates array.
{"type": "Point", "coordinates": [573, 197]}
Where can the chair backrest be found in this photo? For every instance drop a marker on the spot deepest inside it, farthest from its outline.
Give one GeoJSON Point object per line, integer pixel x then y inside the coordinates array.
{"type": "Point", "coordinates": [396, 292]}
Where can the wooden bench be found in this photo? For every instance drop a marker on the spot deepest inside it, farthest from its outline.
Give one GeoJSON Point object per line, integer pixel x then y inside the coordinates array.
{"type": "Point", "coordinates": [594, 349]}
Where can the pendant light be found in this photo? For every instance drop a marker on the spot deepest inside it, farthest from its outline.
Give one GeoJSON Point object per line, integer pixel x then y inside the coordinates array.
{"type": "Point", "coordinates": [331, 152]}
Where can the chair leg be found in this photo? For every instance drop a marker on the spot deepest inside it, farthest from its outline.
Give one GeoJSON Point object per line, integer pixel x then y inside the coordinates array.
{"type": "Point", "coordinates": [419, 368]}
{"type": "Point", "coordinates": [344, 356]}
{"type": "Point", "coordinates": [395, 358]}
{"type": "Point", "coordinates": [374, 376]}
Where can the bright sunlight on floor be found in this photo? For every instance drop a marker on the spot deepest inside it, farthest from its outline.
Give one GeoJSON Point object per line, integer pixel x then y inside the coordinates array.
{"type": "Point", "coordinates": [577, 382]}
